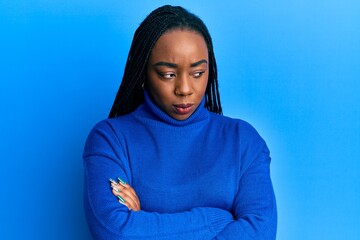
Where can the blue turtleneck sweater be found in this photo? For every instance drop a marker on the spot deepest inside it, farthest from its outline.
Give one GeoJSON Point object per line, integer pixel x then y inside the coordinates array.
{"type": "Point", "coordinates": [206, 177]}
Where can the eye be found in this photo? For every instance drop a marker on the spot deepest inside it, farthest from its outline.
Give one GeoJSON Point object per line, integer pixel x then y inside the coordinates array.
{"type": "Point", "coordinates": [167, 75]}
{"type": "Point", "coordinates": [198, 74]}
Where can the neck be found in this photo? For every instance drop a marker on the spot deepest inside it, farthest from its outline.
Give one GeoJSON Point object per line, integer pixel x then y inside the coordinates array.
{"type": "Point", "coordinates": [154, 112]}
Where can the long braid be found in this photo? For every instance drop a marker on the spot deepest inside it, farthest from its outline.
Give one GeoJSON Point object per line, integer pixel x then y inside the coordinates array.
{"type": "Point", "coordinates": [130, 94]}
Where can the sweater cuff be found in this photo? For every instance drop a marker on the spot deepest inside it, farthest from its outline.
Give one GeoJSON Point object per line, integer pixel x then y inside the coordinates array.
{"type": "Point", "coordinates": [218, 219]}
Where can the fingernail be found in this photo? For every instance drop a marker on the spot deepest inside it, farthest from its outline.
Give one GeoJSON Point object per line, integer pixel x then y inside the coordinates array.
{"type": "Point", "coordinates": [121, 181]}
{"type": "Point", "coordinates": [116, 190]}
{"type": "Point", "coordinates": [111, 180]}
{"type": "Point", "coordinates": [121, 199]}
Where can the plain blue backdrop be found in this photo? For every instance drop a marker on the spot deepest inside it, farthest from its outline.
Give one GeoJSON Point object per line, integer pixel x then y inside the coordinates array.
{"type": "Point", "coordinates": [290, 68]}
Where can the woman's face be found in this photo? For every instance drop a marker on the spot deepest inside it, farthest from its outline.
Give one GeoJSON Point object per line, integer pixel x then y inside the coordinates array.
{"type": "Point", "coordinates": [177, 72]}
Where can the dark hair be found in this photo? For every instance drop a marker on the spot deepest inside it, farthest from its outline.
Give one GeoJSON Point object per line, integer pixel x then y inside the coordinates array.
{"type": "Point", "coordinates": [131, 93]}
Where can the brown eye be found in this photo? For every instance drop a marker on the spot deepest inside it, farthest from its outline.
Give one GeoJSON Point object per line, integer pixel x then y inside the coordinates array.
{"type": "Point", "coordinates": [167, 75]}
{"type": "Point", "coordinates": [198, 74]}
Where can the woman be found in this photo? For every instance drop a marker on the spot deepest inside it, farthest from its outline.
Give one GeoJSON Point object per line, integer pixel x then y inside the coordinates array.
{"type": "Point", "coordinates": [181, 169]}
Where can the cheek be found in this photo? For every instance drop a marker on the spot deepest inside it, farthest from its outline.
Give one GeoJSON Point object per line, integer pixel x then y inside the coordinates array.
{"type": "Point", "coordinates": [205, 83]}
{"type": "Point", "coordinates": [159, 91]}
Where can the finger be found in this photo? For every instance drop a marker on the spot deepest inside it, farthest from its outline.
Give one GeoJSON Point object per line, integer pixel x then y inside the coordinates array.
{"type": "Point", "coordinates": [124, 202]}
{"type": "Point", "coordinates": [127, 195]}
{"type": "Point", "coordinates": [124, 199]}
{"type": "Point", "coordinates": [129, 207]}
{"type": "Point", "coordinates": [122, 182]}
{"type": "Point", "coordinates": [122, 185]}
{"type": "Point", "coordinates": [126, 185]}
{"type": "Point", "coordinates": [115, 191]}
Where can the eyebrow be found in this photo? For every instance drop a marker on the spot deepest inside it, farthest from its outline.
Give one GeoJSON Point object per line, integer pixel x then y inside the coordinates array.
{"type": "Point", "coordinates": [195, 64]}
{"type": "Point", "coordinates": [174, 65]}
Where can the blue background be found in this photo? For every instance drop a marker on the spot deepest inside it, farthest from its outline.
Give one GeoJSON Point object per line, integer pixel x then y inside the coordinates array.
{"type": "Point", "coordinates": [290, 68]}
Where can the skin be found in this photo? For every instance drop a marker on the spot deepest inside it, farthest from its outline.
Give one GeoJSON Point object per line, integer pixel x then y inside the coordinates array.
{"type": "Point", "coordinates": [177, 76]}
{"type": "Point", "coordinates": [177, 72]}
{"type": "Point", "coordinates": [128, 194]}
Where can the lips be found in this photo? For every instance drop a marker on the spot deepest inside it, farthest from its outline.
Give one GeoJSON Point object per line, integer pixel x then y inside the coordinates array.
{"type": "Point", "coordinates": [183, 108]}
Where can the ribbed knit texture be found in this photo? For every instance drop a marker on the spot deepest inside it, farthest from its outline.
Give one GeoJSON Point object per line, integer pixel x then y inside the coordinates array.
{"type": "Point", "coordinates": [206, 177]}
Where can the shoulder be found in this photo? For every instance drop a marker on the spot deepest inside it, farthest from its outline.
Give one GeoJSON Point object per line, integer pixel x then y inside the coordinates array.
{"type": "Point", "coordinates": [109, 130]}
{"type": "Point", "coordinates": [237, 126]}
{"type": "Point", "coordinates": [113, 124]}
{"type": "Point", "coordinates": [252, 147]}
{"type": "Point", "coordinates": [107, 138]}
{"type": "Point", "coordinates": [242, 134]}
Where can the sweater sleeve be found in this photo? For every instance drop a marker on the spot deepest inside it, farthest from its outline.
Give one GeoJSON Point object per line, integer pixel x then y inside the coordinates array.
{"type": "Point", "coordinates": [254, 206]}
{"type": "Point", "coordinates": [108, 219]}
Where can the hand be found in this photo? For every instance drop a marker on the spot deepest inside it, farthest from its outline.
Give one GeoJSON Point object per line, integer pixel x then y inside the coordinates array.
{"type": "Point", "coordinates": [125, 194]}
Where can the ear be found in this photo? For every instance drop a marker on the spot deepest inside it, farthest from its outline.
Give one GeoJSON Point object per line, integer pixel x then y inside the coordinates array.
{"type": "Point", "coordinates": [144, 78]}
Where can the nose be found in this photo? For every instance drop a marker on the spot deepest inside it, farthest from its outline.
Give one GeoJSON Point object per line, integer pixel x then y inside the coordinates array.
{"type": "Point", "coordinates": [183, 86]}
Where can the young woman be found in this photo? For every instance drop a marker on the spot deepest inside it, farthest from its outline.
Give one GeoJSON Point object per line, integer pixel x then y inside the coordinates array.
{"type": "Point", "coordinates": [167, 164]}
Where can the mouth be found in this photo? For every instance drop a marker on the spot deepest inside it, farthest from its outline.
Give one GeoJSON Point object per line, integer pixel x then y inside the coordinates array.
{"type": "Point", "coordinates": [183, 108]}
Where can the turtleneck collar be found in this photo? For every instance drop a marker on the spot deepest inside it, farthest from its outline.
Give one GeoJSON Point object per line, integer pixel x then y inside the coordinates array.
{"type": "Point", "coordinates": [152, 112]}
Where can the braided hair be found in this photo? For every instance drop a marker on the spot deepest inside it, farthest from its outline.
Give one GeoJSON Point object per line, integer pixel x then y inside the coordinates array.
{"type": "Point", "coordinates": [131, 93]}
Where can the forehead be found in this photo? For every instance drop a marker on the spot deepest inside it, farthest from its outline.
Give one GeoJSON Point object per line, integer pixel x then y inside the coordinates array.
{"type": "Point", "coordinates": [179, 44]}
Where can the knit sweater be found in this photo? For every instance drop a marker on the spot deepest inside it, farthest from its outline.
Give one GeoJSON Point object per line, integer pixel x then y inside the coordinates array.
{"type": "Point", "coordinates": [206, 177]}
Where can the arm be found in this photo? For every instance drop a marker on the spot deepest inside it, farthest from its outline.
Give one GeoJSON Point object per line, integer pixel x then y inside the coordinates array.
{"type": "Point", "coordinates": [110, 220]}
{"type": "Point", "coordinates": [107, 219]}
{"type": "Point", "coordinates": [254, 206]}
